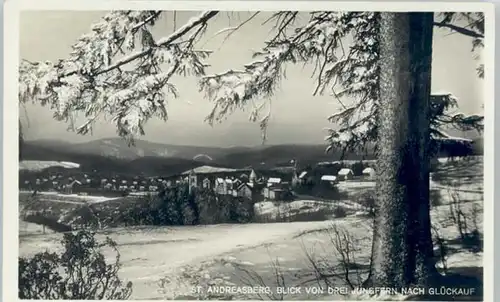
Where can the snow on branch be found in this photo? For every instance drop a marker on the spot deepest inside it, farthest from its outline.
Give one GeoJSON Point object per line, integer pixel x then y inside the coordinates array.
{"type": "Point", "coordinates": [441, 135]}
{"type": "Point", "coordinates": [116, 71]}
{"type": "Point", "coordinates": [192, 23]}
{"type": "Point", "coordinates": [258, 80]}
{"type": "Point", "coordinates": [459, 29]}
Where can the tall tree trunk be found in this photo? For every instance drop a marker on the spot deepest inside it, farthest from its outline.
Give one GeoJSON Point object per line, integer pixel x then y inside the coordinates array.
{"type": "Point", "coordinates": [402, 240]}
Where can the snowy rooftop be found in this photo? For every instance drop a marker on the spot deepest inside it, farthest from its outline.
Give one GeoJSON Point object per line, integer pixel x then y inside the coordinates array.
{"type": "Point", "coordinates": [208, 170]}
{"type": "Point", "coordinates": [274, 180]}
{"type": "Point", "coordinates": [328, 178]}
{"type": "Point", "coordinates": [345, 171]}
{"type": "Point", "coordinates": [368, 170]}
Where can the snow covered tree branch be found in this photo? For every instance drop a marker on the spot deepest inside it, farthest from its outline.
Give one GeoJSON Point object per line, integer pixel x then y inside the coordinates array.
{"type": "Point", "coordinates": [120, 71]}
{"type": "Point", "coordinates": [117, 71]}
{"type": "Point", "coordinates": [474, 28]}
{"type": "Point", "coordinates": [348, 74]}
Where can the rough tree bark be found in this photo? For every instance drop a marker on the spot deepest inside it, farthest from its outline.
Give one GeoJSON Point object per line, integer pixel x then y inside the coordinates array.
{"type": "Point", "coordinates": [402, 244]}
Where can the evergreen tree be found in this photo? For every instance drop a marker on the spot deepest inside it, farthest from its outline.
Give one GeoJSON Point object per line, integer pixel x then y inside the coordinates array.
{"type": "Point", "coordinates": [95, 82]}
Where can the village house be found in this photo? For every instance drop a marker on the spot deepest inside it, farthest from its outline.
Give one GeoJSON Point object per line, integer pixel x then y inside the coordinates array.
{"type": "Point", "coordinates": [208, 176]}
{"type": "Point", "coordinates": [246, 190]}
{"type": "Point", "coordinates": [55, 184]}
{"type": "Point", "coordinates": [206, 183]}
{"type": "Point", "coordinates": [369, 172]}
{"type": "Point", "coordinates": [73, 186]}
{"type": "Point", "coordinates": [345, 174]}
{"type": "Point", "coordinates": [274, 193]}
{"type": "Point", "coordinates": [331, 179]}
{"type": "Point", "coordinates": [220, 187]}
{"type": "Point", "coordinates": [273, 181]}
{"type": "Point", "coordinates": [229, 186]}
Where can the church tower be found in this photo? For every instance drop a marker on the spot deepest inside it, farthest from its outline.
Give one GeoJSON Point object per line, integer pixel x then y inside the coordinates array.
{"type": "Point", "coordinates": [253, 176]}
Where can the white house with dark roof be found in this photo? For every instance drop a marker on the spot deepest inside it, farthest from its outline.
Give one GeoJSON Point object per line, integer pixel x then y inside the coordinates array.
{"type": "Point", "coordinates": [206, 183]}
{"type": "Point", "coordinates": [370, 172]}
{"type": "Point", "coordinates": [245, 190]}
{"type": "Point", "coordinates": [329, 178]}
{"type": "Point", "coordinates": [220, 187]}
{"type": "Point", "coordinates": [345, 174]}
{"type": "Point", "coordinates": [70, 187]}
{"type": "Point", "coordinates": [272, 181]}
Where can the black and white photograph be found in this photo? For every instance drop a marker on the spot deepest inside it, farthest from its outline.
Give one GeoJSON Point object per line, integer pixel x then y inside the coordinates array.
{"type": "Point", "coordinates": [244, 153]}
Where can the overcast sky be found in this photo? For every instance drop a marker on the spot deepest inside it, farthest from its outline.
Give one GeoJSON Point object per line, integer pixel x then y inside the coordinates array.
{"type": "Point", "coordinates": [297, 116]}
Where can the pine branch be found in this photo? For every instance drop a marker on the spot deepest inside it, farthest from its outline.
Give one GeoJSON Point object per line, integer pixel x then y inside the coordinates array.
{"type": "Point", "coordinates": [236, 28]}
{"type": "Point", "coordinates": [201, 19]}
{"type": "Point", "coordinates": [459, 29]}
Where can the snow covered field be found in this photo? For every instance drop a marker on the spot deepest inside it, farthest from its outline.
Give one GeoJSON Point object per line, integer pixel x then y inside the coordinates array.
{"type": "Point", "coordinates": [149, 254]}
{"type": "Point", "coordinates": [72, 198]}
{"type": "Point", "coordinates": [38, 165]}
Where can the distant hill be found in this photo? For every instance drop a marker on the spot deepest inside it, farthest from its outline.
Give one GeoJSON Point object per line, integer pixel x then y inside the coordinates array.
{"type": "Point", "coordinates": [118, 148]}
{"type": "Point", "coordinates": [162, 159]}
{"type": "Point", "coordinates": [281, 155]}
{"type": "Point", "coordinates": [147, 158]}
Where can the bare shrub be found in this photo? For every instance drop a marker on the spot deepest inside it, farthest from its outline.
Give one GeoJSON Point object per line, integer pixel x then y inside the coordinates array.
{"type": "Point", "coordinates": [339, 212]}
{"type": "Point", "coordinates": [457, 215]}
{"type": "Point", "coordinates": [367, 201]}
{"type": "Point", "coordinates": [474, 213]}
{"type": "Point", "coordinates": [250, 277]}
{"type": "Point", "coordinates": [342, 263]}
{"type": "Point", "coordinates": [435, 198]}
{"type": "Point", "coordinates": [80, 272]}
{"type": "Point", "coordinates": [471, 238]}
{"type": "Point", "coordinates": [442, 249]}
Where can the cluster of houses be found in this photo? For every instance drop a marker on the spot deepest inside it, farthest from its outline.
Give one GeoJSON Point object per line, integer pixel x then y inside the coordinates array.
{"type": "Point", "coordinates": [236, 182]}
{"type": "Point", "coordinates": [246, 183]}
{"type": "Point", "coordinates": [81, 184]}
{"type": "Point", "coordinates": [343, 174]}
{"type": "Point", "coordinates": [224, 181]}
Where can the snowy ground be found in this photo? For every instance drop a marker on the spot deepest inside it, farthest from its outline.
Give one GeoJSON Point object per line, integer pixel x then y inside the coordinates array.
{"type": "Point", "coordinates": [71, 198]}
{"type": "Point", "coordinates": [149, 254]}
{"type": "Point", "coordinates": [177, 255]}
{"type": "Point", "coordinates": [28, 228]}
{"type": "Point", "coordinates": [38, 165]}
